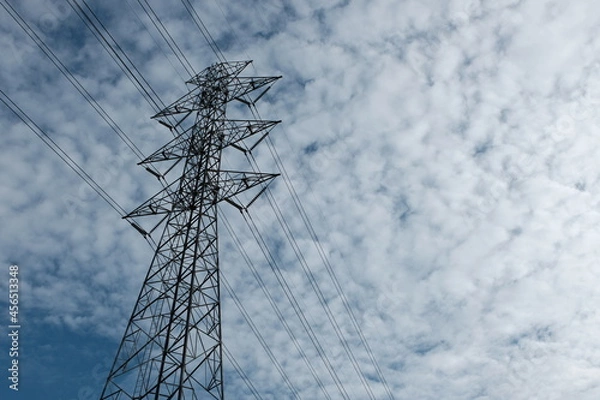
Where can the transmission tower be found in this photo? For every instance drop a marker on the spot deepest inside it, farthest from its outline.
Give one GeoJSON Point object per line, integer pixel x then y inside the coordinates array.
{"type": "Point", "coordinates": [172, 347]}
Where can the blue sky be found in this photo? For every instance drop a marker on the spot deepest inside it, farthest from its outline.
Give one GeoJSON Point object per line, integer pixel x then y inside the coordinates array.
{"type": "Point", "coordinates": [444, 151]}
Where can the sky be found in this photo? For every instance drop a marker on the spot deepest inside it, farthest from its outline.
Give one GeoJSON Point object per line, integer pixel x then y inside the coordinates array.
{"type": "Point", "coordinates": [444, 152]}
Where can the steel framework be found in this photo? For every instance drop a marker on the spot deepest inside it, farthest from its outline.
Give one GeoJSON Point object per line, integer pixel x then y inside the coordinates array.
{"type": "Point", "coordinates": [172, 347]}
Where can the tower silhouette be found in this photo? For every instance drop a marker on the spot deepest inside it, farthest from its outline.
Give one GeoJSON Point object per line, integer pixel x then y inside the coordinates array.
{"type": "Point", "coordinates": [172, 346]}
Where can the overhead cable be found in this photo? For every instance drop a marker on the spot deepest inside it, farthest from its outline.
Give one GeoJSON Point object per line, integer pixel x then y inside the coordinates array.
{"type": "Point", "coordinates": [40, 133]}
{"type": "Point", "coordinates": [274, 305]}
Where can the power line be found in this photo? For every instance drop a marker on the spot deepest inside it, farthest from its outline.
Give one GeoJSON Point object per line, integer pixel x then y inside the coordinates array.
{"type": "Point", "coordinates": [72, 79]}
{"type": "Point", "coordinates": [316, 288]}
{"type": "Point", "coordinates": [172, 48]}
{"type": "Point", "coordinates": [328, 266]}
{"type": "Point", "coordinates": [40, 133]}
{"type": "Point", "coordinates": [274, 305]}
{"type": "Point", "coordinates": [143, 24]}
{"type": "Point", "coordinates": [120, 57]}
{"type": "Point", "coordinates": [241, 373]}
{"type": "Point", "coordinates": [117, 54]}
{"type": "Point", "coordinates": [92, 101]}
{"type": "Point", "coordinates": [295, 304]}
{"type": "Point", "coordinates": [259, 336]}
{"type": "Point", "coordinates": [212, 43]}
{"type": "Point", "coordinates": [297, 251]}
{"type": "Point", "coordinates": [237, 38]}
{"type": "Point", "coordinates": [204, 30]}
{"type": "Point", "coordinates": [220, 55]}
{"type": "Point", "coordinates": [315, 238]}
{"type": "Point", "coordinates": [160, 27]}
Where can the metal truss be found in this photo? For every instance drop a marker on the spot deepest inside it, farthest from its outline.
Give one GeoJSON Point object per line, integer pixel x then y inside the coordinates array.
{"type": "Point", "coordinates": [172, 346]}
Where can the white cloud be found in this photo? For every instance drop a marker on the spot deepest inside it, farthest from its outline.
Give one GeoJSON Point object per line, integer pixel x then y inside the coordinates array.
{"type": "Point", "coordinates": [444, 152]}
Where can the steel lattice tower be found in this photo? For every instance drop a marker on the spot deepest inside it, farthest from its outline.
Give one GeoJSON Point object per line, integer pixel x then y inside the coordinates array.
{"type": "Point", "coordinates": [172, 346]}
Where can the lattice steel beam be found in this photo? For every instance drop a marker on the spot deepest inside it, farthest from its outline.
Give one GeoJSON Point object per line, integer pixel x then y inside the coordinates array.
{"type": "Point", "coordinates": [172, 346]}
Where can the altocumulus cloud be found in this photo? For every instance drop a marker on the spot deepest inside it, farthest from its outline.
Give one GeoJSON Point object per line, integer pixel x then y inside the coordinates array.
{"type": "Point", "coordinates": [443, 150]}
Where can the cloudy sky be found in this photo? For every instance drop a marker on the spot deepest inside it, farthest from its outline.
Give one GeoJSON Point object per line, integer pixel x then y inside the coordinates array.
{"type": "Point", "coordinates": [444, 153]}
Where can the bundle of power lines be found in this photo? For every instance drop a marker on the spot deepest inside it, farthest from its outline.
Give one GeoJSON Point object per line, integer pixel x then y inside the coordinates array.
{"type": "Point", "coordinates": [99, 30]}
